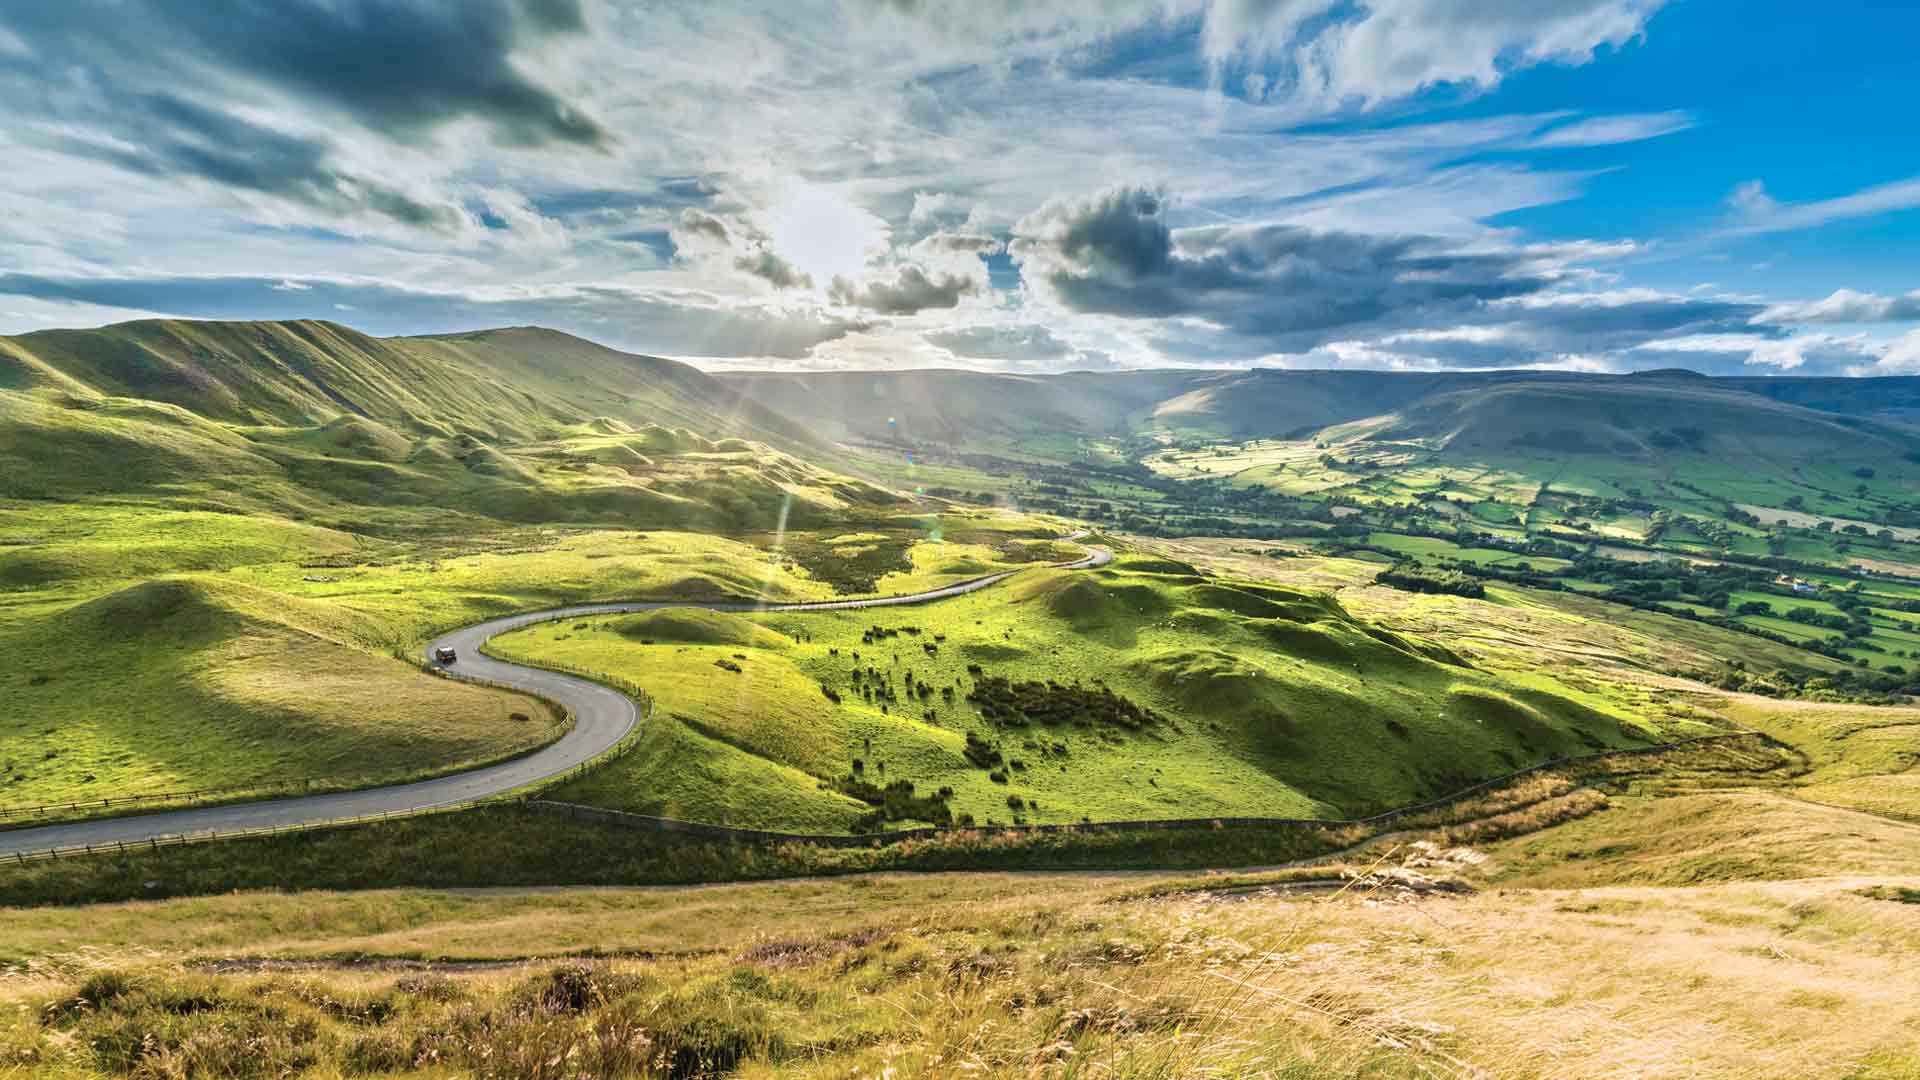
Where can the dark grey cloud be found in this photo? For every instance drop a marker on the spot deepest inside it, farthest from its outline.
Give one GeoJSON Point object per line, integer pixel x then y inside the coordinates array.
{"type": "Point", "coordinates": [905, 290]}
{"type": "Point", "coordinates": [1289, 289]}
{"type": "Point", "coordinates": [772, 269]}
{"type": "Point", "coordinates": [676, 324]}
{"type": "Point", "coordinates": [959, 243]}
{"type": "Point", "coordinates": [183, 139]}
{"type": "Point", "coordinates": [152, 87]}
{"type": "Point", "coordinates": [1601, 322]}
{"type": "Point", "coordinates": [394, 66]}
{"type": "Point", "coordinates": [698, 223]}
{"type": "Point", "coordinates": [700, 236]}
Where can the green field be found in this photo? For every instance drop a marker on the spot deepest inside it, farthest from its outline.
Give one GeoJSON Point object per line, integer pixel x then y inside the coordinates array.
{"type": "Point", "coordinates": [1264, 702]}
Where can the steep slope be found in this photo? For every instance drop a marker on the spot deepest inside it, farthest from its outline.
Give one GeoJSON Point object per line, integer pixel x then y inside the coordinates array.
{"type": "Point", "coordinates": [576, 378]}
{"type": "Point", "coordinates": [305, 418]}
{"type": "Point", "coordinates": [510, 384]}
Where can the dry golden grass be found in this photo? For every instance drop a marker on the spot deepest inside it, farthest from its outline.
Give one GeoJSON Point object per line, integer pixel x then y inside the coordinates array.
{"type": "Point", "coordinates": [1711, 837]}
{"type": "Point", "coordinates": [1052, 976]}
{"type": "Point", "coordinates": [1636, 940]}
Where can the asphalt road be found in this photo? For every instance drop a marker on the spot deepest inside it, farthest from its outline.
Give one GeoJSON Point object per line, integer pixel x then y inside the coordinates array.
{"type": "Point", "coordinates": [602, 717]}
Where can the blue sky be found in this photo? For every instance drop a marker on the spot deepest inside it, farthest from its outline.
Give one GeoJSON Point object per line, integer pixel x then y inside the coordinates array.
{"type": "Point", "coordinates": [1596, 185]}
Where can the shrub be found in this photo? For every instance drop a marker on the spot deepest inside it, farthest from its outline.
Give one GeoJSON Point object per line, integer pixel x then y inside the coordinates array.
{"type": "Point", "coordinates": [981, 753]}
{"type": "Point", "coordinates": [1053, 703]}
{"type": "Point", "coordinates": [1413, 577]}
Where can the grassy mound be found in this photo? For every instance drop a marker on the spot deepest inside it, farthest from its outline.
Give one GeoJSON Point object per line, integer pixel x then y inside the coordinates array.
{"type": "Point", "coordinates": [186, 683]}
{"type": "Point", "coordinates": [1142, 564]}
{"type": "Point", "coordinates": [694, 626]}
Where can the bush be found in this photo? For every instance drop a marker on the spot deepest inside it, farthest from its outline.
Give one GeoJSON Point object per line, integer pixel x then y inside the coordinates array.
{"type": "Point", "coordinates": [981, 753]}
{"type": "Point", "coordinates": [1052, 703]}
{"type": "Point", "coordinates": [1413, 577]}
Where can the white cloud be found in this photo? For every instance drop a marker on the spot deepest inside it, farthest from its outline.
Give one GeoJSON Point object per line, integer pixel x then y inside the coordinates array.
{"type": "Point", "coordinates": [1400, 47]}
{"type": "Point", "coordinates": [1755, 211]}
{"type": "Point", "coordinates": [845, 183]}
{"type": "Point", "coordinates": [1613, 130]}
{"type": "Point", "coordinates": [1847, 306]}
{"type": "Point", "coordinates": [1901, 357]}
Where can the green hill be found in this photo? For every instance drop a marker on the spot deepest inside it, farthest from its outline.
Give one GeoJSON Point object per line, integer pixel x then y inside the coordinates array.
{"type": "Point", "coordinates": [317, 421]}
{"type": "Point", "coordinates": [1143, 690]}
{"type": "Point", "coordinates": [179, 684]}
{"type": "Point", "coordinates": [510, 384]}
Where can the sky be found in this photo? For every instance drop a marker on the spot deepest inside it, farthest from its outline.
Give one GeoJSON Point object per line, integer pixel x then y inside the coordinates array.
{"type": "Point", "coordinates": [1590, 185]}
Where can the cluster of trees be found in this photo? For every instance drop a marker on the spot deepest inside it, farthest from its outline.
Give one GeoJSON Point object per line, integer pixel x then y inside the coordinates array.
{"type": "Point", "coordinates": [896, 801]}
{"type": "Point", "coordinates": [1052, 703]}
{"type": "Point", "coordinates": [1413, 576]}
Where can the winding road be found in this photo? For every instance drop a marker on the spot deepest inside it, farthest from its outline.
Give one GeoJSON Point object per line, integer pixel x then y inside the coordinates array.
{"type": "Point", "coordinates": [602, 717]}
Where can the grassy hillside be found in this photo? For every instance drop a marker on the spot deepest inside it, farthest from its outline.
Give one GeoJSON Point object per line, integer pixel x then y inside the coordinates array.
{"type": "Point", "coordinates": [270, 510]}
{"type": "Point", "coordinates": [310, 419]}
{"type": "Point", "coordinates": [1145, 690]}
{"type": "Point", "coordinates": [179, 684]}
{"type": "Point", "coordinates": [510, 384]}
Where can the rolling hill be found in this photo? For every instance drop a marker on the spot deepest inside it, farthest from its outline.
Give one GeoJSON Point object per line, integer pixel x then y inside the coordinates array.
{"type": "Point", "coordinates": [310, 418]}
{"type": "Point", "coordinates": [1639, 418]}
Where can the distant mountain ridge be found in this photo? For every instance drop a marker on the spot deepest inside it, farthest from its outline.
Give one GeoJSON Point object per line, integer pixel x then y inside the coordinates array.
{"type": "Point", "coordinates": [397, 399]}
{"type": "Point", "coordinates": [962, 408]}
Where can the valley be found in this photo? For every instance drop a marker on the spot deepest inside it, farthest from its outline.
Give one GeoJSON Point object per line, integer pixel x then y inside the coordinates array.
{"type": "Point", "coordinates": [1186, 635]}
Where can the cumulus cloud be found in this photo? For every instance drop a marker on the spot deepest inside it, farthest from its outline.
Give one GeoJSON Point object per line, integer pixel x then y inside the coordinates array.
{"type": "Point", "coordinates": [698, 224]}
{"type": "Point", "coordinates": [958, 243]}
{"type": "Point", "coordinates": [906, 289]}
{"type": "Point", "coordinates": [773, 270]}
{"type": "Point", "coordinates": [1285, 287]}
{"type": "Point", "coordinates": [1902, 356]}
{"type": "Point", "coordinates": [1399, 47]}
{"type": "Point", "coordinates": [700, 236]}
